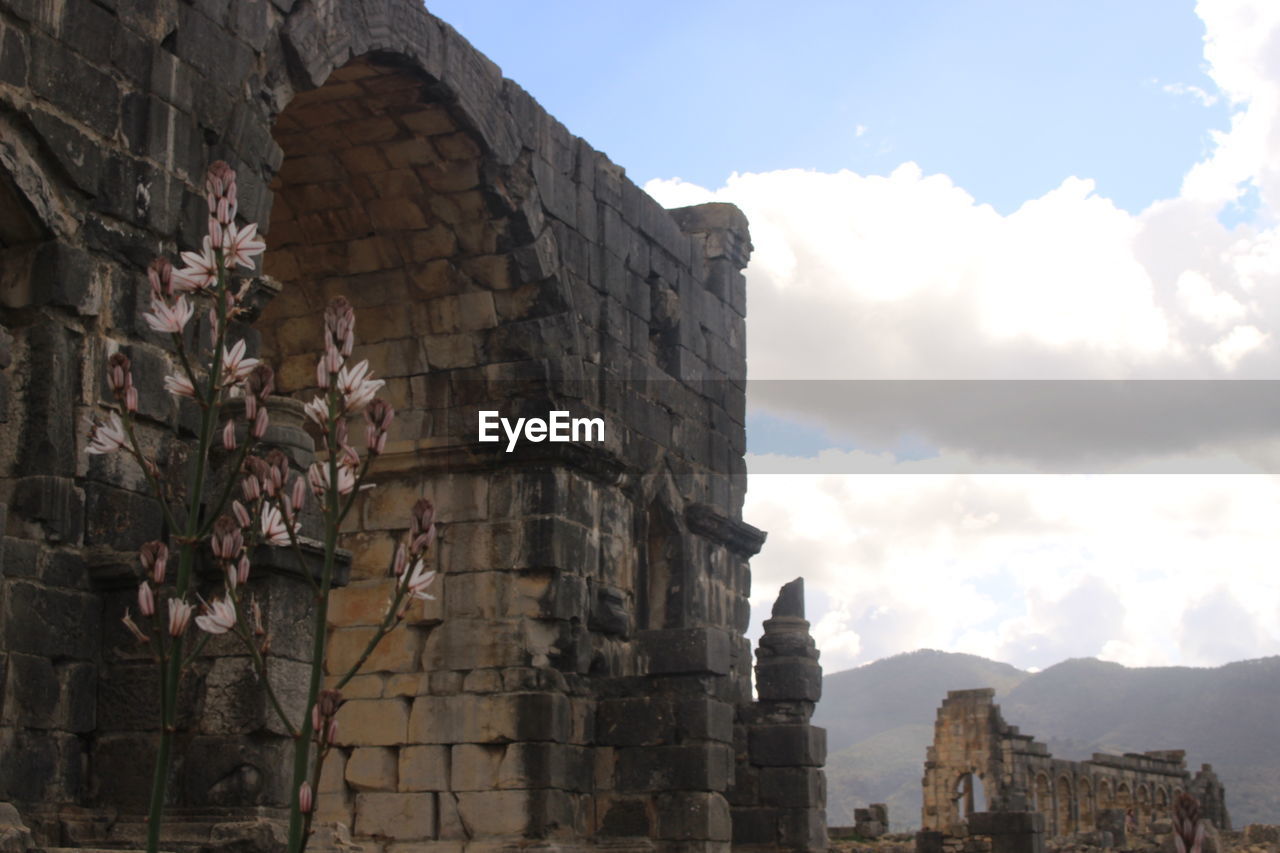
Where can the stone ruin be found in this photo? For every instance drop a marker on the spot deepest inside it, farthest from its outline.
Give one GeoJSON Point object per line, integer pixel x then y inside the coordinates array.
{"type": "Point", "coordinates": [584, 680]}
{"type": "Point", "coordinates": [982, 777]}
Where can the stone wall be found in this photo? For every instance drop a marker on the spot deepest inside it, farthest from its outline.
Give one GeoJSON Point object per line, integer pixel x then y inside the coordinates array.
{"type": "Point", "coordinates": [583, 677]}
{"type": "Point", "coordinates": [978, 763]}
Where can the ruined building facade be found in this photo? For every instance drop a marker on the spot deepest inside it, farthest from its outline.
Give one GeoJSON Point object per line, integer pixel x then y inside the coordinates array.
{"type": "Point", "coordinates": [583, 678]}
{"type": "Point", "coordinates": [980, 763]}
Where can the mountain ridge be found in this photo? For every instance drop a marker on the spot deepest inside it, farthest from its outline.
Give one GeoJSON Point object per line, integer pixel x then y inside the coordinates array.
{"type": "Point", "coordinates": [879, 720]}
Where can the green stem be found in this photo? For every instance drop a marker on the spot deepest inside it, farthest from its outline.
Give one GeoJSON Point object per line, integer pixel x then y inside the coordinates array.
{"type": "Point", "coordinates": [298, 823]}
{"type": "Point", "coordinates": [171, 671]}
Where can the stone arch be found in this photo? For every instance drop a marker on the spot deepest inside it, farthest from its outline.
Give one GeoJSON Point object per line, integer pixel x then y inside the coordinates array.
{"type": "Point", "coordinates": [969, 795]}
{"type": "Point", "coordinates": [1142, 810]}
{"type": "Point", "coordinates": [1106, 795]}
{"type": "Point", "coordinates": [1064, 794]}
{"type": "Point", "coordinates": [1084, 805]}
{"type": "Point", "coordinates": [1042, 794]}
{"type": "Point", "coordinates": [1161, 808]}
{"type": "Point", "coordinates": [1124, 796]}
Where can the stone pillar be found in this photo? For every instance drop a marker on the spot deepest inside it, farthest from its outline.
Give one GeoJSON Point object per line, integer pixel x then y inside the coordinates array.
{"type": "Point", "coordinates": [779, 793]}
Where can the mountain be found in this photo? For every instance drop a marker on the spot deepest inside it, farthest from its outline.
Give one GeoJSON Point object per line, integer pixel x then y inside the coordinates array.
{"type": "Point", "coordinates": [879, 720]}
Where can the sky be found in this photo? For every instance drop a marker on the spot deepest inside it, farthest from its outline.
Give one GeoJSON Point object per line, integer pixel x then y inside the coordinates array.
{"type": "Point", "coordinates": [977, 191]}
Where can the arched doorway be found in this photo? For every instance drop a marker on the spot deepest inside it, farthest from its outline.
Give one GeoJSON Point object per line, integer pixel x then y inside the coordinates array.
{"type": "Point", "coordinates": [1064, 792]}
{"type": "Point", "coordinates": [968, 795]}
{"type": "Point", "coordinates": [1084, 805]}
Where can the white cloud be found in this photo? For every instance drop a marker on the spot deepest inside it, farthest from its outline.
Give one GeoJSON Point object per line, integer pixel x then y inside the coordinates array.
{"type": "Point", "coordinates": [908, 276]}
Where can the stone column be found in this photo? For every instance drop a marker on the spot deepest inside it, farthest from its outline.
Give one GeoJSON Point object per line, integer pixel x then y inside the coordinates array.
{"type": "Point", "coordinates": [780, 791]}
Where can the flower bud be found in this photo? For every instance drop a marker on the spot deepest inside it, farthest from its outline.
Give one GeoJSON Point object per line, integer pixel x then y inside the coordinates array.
{"type": "Point", "coordinates": [277, 472]}
{"type": "Point", "coordinates": [241, 513]}
{"type": "Point", "coordinates": [305, 798]}
{"type": "Point", "coordinates": [329, 701]}
{"type": "Point", "coordinates": [146, 599]}
{"type": "Point", "coordinates": [179, 617]}
{"type": "Point", "coordinates": [118, 375]}
{"type": "Point", "coordinates": [299, 495]}
{"type": "Point", "coordinates": [227, 540]}
{"type": "Point", "coordinates": [160, 276]}
{"type": "Point", "coordinates": [242, 569]}
{"type": "Point", "coordinates": [229, 436]}
{"type": "Point", "coordinates": [260, 423]}
{"type": "Point", "coordinates": [153, 556]}
{"type": "Point", "coordinates": [401, 560]}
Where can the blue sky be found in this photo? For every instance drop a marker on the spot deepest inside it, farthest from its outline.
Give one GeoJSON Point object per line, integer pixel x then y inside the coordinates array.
{"type": "Point", "coordinates": [1007, 97]}
{"type": "Point", "coordinates": [979, 190]}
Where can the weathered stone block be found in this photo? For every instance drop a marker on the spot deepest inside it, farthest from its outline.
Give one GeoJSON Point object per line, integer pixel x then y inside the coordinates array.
{"type": "Point", "coordinates": [424, 768]}
{"type": "Point", "coordinates": [398, 816]}
{"type": "Point", "coordinates": [54, 503]}
{"type": "Point", "coordinates": [786, 745]}
{"type": "Point", "coordinates": [49, 622]}
{"type": "Point", "coordinates": [793, 787]}
{"type": "Point", "coordinates": [687, 767]}
{"type": "Point", "coordinates": [372, 768]}
{"type": "Point", "coordinates": [693, 816]}
{"type": "Point", "coordinates": [686, 650]}
{"type": "Point", "coordinates": [490, 719]}
{"type": "Point", "coordinates": [373, 722]}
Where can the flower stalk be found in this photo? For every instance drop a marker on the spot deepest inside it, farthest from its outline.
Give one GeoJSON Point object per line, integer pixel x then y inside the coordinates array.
{"type": "Point", "coordinates": [228, 529]}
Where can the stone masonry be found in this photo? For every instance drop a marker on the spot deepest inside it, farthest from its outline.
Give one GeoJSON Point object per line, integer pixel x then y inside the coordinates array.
{"type": "Point", "coordinates": [981, 769]}
{"type": "Point", "coordinates": [583, 679]}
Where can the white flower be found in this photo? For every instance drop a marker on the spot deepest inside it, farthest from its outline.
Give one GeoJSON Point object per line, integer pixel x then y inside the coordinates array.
{"type": "Point", "coordinates": [219, 617]}
{"type": "Point", "coordinates": [357, 390]}
{"type": "Point", "coordinates": [240, 246]}
{"type": "Point", "coordinates": [180, 385]}
{"type": "Point", "coordinates": [318, 477]}
{"type": "Point", "coordinates": [419, 580]}
{"type": "Point", "coordinates": [235, 367]}
{"type": "Point", "coordinates": [273, 526]}
{"type": "Point", "coordinates": [164, 317]}
{"type": "Point", "coordinates": [201, 269]}
{"type": "Point", "coordinates": [106, 436]}
{"type": "Point", "coordinates": [318, 411]}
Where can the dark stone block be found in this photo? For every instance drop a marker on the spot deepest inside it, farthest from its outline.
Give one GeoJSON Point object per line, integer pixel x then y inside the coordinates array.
{"type": "Point", "coordinates": [638, 721]}
{"type": "Point", "coordinates": [626, 818]}
{"type": "Point", "coordinates": [13, 58]}
{"type": "Point", "coordinates": [49, 441]}
{"type": "Point", "coordinates": [686, 650]}
{"type": "Point", "coordinates": [214, 52]}
{"type": "Point", "coordinates": [745, 790]}
{"type": "Point", "coordinates": [687, 767]}
{"type": "Point", "coordinates": [122, 766]}
{"type": "Point", "coordinates": [89, 30]}
{"type": "Point", "coordinates": [793, 787]}
{"type": "Point", "coordinates": [788, 679]}
{"type": "Point", "coordinates": [120, 519]}
{"type": "Point", "coordinates": [50, 622]}
{"type": "Point", "coordinates": [54, 503]}
{"type": "Point", "coordinates": [31, 692]}
{"type": "Point", "coordinates": [79, 156]}
{"type": "Point", "coordinates": [63, 275]}
{"type": "Point", "coordinates": [71, 84]}
{"type": "Point", "coordinates": [755, 826]}
{"type": "Point", "coordinates": [928, 841]}
{"type": "Point", "coordinates": [786, 745]}
{"type": "Point", "coordinates": [805, 828]}
{"type": "Point", "coordinates": [705, 719]}
{"type": "Point", "coordinates": [21, 558]}
{"type": "Point", "coordinates": [686, 816]}
{"type": "Point", "coordinates": [40, 766]}
{"type": "Point", "coordinates": [65, 569]}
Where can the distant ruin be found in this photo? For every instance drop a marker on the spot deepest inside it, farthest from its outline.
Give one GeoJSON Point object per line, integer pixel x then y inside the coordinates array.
{"type": "Point", "coordinates": [980, 765]}
{"type": "Point", "coordinates": [585, 679]}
